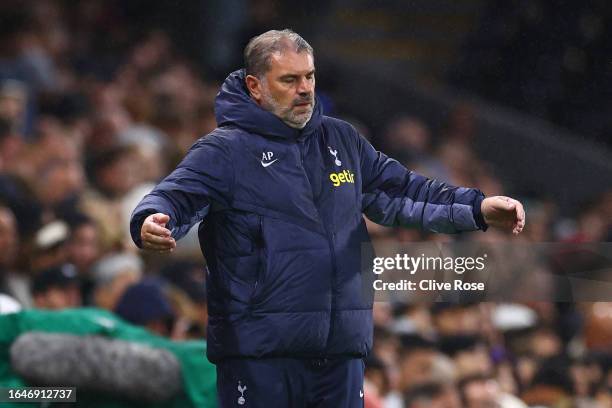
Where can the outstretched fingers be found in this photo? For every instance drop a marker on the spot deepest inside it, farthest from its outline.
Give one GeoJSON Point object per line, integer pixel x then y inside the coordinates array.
{"type": "Point", "coordinates": [155, 229]}
{"type": "Point", "coordinates": [157, 239]}
{"type": "Point", "coordinates": [159, 244]}
{"type": "Point", "coordinates": [519, 222]}
{"type": "Point", "coordinates": [154, 234]}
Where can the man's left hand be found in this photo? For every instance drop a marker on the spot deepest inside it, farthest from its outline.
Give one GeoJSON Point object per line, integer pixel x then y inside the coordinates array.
{"type": "Point", "coordinates": [503, 212]}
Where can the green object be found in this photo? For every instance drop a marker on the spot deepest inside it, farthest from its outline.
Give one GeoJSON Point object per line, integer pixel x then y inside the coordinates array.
{"type": "Point", "coordinates": [199, 375]}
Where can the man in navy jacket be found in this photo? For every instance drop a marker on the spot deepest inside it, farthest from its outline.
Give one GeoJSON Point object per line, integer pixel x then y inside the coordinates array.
{"type": "Point", "coordinates": [279, 190]}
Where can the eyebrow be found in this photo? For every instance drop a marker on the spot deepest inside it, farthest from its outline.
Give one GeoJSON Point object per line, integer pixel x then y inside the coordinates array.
{"type": "Point", "coordinates": [287, 76]}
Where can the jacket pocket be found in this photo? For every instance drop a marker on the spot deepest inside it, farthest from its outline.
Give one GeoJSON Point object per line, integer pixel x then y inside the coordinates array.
{"type": "Point", "coordinates": [262, 257]}
{"type": "Point", "coordinates": [240, 277]}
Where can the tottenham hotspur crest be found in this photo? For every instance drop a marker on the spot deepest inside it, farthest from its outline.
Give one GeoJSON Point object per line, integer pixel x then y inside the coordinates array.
{"type": "Point", "coordinates": [241, 390]}
{"type": "Point", "coordinates": [335, 154]}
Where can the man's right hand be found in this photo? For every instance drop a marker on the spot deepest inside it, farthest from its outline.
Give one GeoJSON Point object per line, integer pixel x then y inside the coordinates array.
{"type": "Point", "coordinates": [154, 234]}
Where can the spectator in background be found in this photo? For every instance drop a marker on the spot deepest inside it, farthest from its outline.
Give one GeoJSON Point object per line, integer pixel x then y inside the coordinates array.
{"type": "Point", "coordinates": [462, 125]}
{"type": "Point", "coordinates": [186, 292]}
{"type": "Point", "coordinates": [376, 383]}
{"type": "Point", "coordinates": [27, 45]}
{"type": "Point", "coordinates": [469, 353]}
{"type": "Point", "coordinates": [58, 186]}
{"type": "Point", "coordinates": [432, 395]}
{"type": "Point", "coordinates": [10, 146]}
{"type": "Point", "coordinates": [49, 246]}
{"type": "Point", "coordinates": [148, 144]}
{"type": "Point", "coordinates": [108, 122]}
{"type": "Point", "coordinates": [589, 376]}
{"type": "Point", "coordinates": [544, 343]}
{"type": "Point", "coordinates": [14, 191]}
{"type": "Point", "coordinates": [43, 179]}
{"type": "Point", "coordinates": [83, 250]}
{"type": "Point", "coordinates": [597, 328]}
{"type": "Point", "coordinates": [11, 284]}
{"type": "Point", "coordinates": [456, 319]}
{"type": "Point", "coordinates": [83, 246]}
{"type": "Point", "coordinates": [13, 104]}
{"type": "Point", "coordinates": [413, 318]}
{"type": "Point", "coordinates": [479, 392]}
{"type": "Point", "coordinates": [114, 174]}
{"type": "Point", "coordinates": [409, 140]}
{"type": "Point", "coordinates": [482, 391]}
{"type": "Point", "coordinates": [113, 274]}
{"type": "Point", "coordinates": [386, 348]}
{"type": "Point", "coordinates": [594, 223]}
{"type": "Point", "coordinates": [145, 304]}
{"type": "Point", "coordinates": [9, 239]}
{"type": "Point", "coordinates": [551, 386]}
{"type": "Point", "coordinates": [541, 217]}
{"type": "Point", "coordinates": [57, 287]}
{"type": "Point", "coordinates": [419, 363]}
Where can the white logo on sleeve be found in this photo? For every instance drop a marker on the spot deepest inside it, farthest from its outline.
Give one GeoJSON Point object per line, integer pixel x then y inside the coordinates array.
{"type": "Point", "coordinates": [335, 154]}
{"type": "Point", "coordinates": [360, 393]}
{"type": "Point", "coordinates": [266, 159]}
{"type": "Point", "coordinates": [241, 390]}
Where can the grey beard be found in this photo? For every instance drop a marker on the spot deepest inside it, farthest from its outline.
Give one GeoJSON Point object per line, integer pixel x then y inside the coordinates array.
{"type": "Point", "coordinates": [298, 125]}
{"type": "Point", "coordinates": [271, 105]}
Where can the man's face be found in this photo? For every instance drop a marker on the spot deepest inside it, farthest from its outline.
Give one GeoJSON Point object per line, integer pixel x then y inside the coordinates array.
{"type": "Point", "coordinates": [448, 399]}
{"type": "Point", "coordinates": [83, 248]}
{"type": "Point", "coordinates": [8, 238]}
{"type": "Point", "coordinates": [416, 368]}
{"type": "Point", "coordinates": [287, 89]}
{"type": "Point", "coordinates": [107, 295]}
{"type": "Point", "coordinates": [482, 394]}
{"type": "Point", "coordinates": [56, 298]}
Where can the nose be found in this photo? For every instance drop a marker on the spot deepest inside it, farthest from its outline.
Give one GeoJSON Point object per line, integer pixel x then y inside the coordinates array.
{"type": "Point", "coordinates": [305, 87]}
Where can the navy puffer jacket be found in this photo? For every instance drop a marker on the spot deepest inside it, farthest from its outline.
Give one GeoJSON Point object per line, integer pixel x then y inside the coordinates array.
{"type": "Point", "coordinates": [282, 227]}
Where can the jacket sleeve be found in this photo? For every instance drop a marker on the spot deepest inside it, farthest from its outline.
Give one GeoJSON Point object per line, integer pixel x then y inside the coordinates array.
{"type": "Point", "coordinates": [395, 196]}
{"type": "Point", "coordinates": [204, 176]}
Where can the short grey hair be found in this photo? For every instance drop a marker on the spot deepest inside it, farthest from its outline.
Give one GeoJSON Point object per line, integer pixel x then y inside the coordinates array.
{"type": "Point", "coordinates": [258, 51]}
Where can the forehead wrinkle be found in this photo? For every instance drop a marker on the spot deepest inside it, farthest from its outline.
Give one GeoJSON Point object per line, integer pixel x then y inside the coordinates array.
{"type": "Point", "coordinates": [289, 69]}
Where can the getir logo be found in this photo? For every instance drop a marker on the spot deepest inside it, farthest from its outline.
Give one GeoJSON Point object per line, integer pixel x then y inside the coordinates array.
{"type": "Point", "coordinates": [344, 177]}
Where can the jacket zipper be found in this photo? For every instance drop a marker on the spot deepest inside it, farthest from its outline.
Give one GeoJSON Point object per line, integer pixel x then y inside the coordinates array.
{"type": "Point", "coordinates": [330, 241]}
{"type": "Point", "coordinates": [260, 269]}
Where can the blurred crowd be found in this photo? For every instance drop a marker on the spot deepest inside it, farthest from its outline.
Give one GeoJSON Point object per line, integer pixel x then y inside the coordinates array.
{"type": "Point", "coordinates": [84, 134]}
{"type": "Point", "coordinates": [436, 354]}
{"type": "Point", "coordinates": [547, 58]}
{"type": "Point", "coordinates": [92, 116]}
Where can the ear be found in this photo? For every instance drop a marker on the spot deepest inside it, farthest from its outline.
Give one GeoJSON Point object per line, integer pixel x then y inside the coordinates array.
{"type": "Point", "coordinates": [253, 84]}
